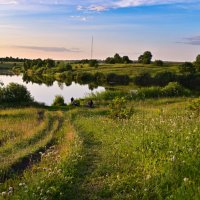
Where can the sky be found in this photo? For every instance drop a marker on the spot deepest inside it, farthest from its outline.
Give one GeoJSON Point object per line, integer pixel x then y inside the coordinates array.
{"type": "Point", "coordinates": [63, 29]}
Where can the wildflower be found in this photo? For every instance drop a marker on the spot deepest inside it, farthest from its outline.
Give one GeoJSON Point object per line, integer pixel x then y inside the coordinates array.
{"type": "Point", "coordinates": [10, 189]}
{"type": "Point", "coordinates": [148, 177]}
{"type": "Point", "coordinates": [20, 184]}
{"type": "Point", "coordinates": [173, 158]}
{"type": "Point", "coordinates": [186, 179]}
{"type": "Point", "coordinates": [3, 194]}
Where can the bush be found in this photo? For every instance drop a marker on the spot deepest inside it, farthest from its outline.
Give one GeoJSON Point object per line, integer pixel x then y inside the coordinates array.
{"type": "Point", "coordinates": [84, 77]}
{"type": "Point", "coordinates": [114, 79]}
{"type": "Point", "coordinates": [174, 89]}
{"type": "Point", "coordinates": [119, 109]}
{"type": "Point", "coordinates": [15, 93]}
{"type": "Point", "coordinates": [195, 105]}
{"type": "Point", "coordinates": [187, 68]}
{"type": "Point", "coordinates": [58, 101]}
{"type": "Point", "coordinates": [150, 92]}
{"type": "Point", "coordinates": [93, 63]}
{"type": "Point", "coordinates": [100, 78]}
{"type": "Point", "coordinates": [164, 78]}
{"type": "Point", "coordinates": [143, 79]}
{"type": "Point", "coordinates": [159, 63]}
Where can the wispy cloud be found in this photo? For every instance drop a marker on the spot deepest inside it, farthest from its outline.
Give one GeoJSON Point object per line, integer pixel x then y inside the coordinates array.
{"type": "Point", "coordinates": [195, 40]}
{"type": "Point", "coordinates": [6, 2]}
{"type": "Point", "coordinates": [49, 49]}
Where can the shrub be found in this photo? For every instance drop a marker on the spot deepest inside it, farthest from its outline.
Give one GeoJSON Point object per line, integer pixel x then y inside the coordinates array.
{"type": "Point", "coordinates": [195, 105]}
{"type": "Point", "coordinates": [187, 68]}
{"type": "Point", "coordinates": [114, 79]}
{"type": "Point", "coordinates": [84, 77]}
{"type": "Point", "coordinates": [174, 89]}
{"type": "Point", "coordinates": [100, 78]}
{"type": "Point", "coordinates": [119, 109]}
{"type": "Point", "coordinates": [149, 92]}
{"type": "Point", "coordinates": [15, 93]}
{"type": "Point", "coordinates": [164, 78]}
{"type": "Point", "coordinates": [143, 79]}
{"type": "Point", "coordinates": [58, 101]}
{"type": "Point", "coordinates": [159, 63]}
{"type": "Point", "coordinates": [93, 63]}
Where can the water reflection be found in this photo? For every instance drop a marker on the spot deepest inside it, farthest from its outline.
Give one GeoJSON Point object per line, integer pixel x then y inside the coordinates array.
{"type": "Point", "coordinates": [44, 89]}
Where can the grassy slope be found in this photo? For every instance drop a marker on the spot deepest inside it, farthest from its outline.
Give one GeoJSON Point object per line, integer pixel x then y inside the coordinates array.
{"type": "Point", "coordinates": [154, 155]}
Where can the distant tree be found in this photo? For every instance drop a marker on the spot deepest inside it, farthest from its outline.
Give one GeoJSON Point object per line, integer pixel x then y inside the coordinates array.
{"type": "Point", "coordinates": [110, 60]}
{"type": "Point", "coordinates": [126, 60]}
{"type": "Point", "coordinates": [145, 58]}
{"type": "Point", "coordinates": [197, 63]}
{"type": "Point", "coordinates": [187, 68]}
{"type": "Point", "coordinates": [50, 63]}
{"type": "Point", "coordinates": [93, 63]}
{"type": "Point", "coordinates": [159, 63]}
{"type": "Point", "coordinates": [117, 58]}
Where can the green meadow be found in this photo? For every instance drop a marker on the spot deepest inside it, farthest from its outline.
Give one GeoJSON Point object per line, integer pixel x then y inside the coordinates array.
{"type": "Point", "coordinates": [85, 154]}
{"type": "Point", "coordinates": [139, 145]}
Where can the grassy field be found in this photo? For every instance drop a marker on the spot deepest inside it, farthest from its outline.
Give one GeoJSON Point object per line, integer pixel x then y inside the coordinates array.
{"type": "Point", "coordinates": [131, 69]}
{"type": "Point", "coordinates": [85, 154]}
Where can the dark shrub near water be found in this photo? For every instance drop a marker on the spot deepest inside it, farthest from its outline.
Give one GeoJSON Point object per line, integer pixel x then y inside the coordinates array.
{"type": "Point", "coordinates": [115, 79]}
{"type": "Point", "coordinates": [15, 93]}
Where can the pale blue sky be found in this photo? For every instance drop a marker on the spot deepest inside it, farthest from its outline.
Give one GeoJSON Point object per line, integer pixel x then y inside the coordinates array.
{"type": "Point", "coordinates": [63, 29]}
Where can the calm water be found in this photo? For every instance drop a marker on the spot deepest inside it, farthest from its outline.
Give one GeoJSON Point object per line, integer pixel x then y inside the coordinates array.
{"type": "Point", "coordinates": [46, 94]}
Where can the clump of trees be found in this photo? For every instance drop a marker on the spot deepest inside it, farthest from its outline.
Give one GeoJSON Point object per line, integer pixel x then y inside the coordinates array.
{"type": "Point", "coordinates": [145, 58]}
{"type": "Point", "coordinates": [15, 94]}
{"type": "Point", "coordinates": [11, 59]}
{"type": "Point", "coordinates": [117, 59]}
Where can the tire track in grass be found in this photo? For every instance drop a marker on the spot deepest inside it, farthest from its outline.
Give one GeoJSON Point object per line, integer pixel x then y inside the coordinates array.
{"type": "Point", "coordinates": [31, 154]}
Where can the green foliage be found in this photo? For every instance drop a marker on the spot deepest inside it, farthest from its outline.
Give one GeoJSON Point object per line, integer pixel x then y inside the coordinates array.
{"type": "Point", "coordinates": [187, 68]}
{"type": "Point", "coordinates": [100, 78]}
{"type": "Point", "coordinates": [58, 101]}
{"type": "Point", "coordinates": [143, 79]}
{"type": "Point", "coordinates": [93, 63]}
{"type": "Point", "coordinates": [174, 89]}
{"type": "Point", "coordinates": [118, 59]}
{"type": "Point", "coordinates": [15, 93]}
{"type": "Point", "coordinates": [159, 63]}
{"type": "Point", "coordinates": [163, 78]}
{"type": "Point", "coordinates": [145, 58]}
{"type": "Point", "coordinates": [149, 92]}
{"type": "Point", "coordinates": [119, 108]}
{"type": "Point", "coordinates": [197, 63]}
{"type": "Point", "coordinates": [195, 105]}
{"type": "Point", "coordinates": [115, 79]}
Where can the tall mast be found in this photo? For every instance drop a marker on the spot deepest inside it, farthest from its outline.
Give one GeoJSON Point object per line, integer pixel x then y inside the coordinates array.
{"type": "Point", "coordinates": [92, 48]}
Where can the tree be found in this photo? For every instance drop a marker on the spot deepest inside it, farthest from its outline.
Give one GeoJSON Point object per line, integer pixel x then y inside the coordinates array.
{"type": "Point", "coordinates": [117, 58]}
{"type": "Point", "coordinates": [197, 63]}
{"type": "Point", "coordinates": [126, 60]}
{"type": "Point", "coordinates": [145, 58]}
{"type": "Point", "coordinates": [68, 67]}
{"type": "Point", "coordinates": [187, 68]}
